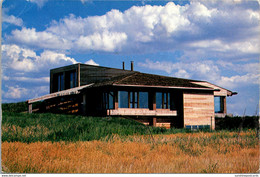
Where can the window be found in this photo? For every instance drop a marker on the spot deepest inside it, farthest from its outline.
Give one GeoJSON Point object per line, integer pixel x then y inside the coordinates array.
{"type": "Point", "coordinates": [73, 79]}
{"type": "Point", "coordinates": [162, 100]}
{"type": "Point", "coordinates": [60, 82]}
{"type": "Point", "coordinates": [132, 99]}
{"type": "Point", "coordinates": [143, 99]}
{"type": "Point", "coordinates": [123, 99]}
{"type": "Point", "coordinates": [219, 104]}
{"type": "Point", "coordinates": [108, 100]}
{"type": "Point", "coordinates": [159, 100]}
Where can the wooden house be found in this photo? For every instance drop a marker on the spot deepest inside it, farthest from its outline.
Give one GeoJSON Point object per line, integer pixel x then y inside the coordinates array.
{"type": "Point", "coordinates": [151, 99]}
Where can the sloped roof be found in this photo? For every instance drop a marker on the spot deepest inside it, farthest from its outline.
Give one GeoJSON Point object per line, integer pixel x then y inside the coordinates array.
{"type": "Point", "coordinates": [71, 91]}
{"type": "Point", "coordinates": [151, 80]}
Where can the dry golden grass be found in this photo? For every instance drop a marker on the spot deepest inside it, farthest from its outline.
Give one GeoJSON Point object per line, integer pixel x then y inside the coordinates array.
{"type": "Point", "coordinates": [177, 153]}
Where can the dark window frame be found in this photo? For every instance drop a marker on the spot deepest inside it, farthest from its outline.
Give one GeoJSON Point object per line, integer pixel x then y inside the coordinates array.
{"type": "Point", "coordinates": [165, 102]}
{"type": "Point", "coordinates": [106, 100]}
{"type": "Point", "coordinates": [133, 99]}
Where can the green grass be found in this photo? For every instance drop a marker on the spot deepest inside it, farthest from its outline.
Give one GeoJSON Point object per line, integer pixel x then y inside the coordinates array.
{"type": "Point", "coordinates": [15, 107]}
{"type": "Point", "coordinates": [25, 127]}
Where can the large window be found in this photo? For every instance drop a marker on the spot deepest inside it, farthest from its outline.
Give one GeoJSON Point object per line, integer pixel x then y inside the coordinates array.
{"type": "Point", "coordinates": [60, 83]}
{"type": "Point", "coordinates": [219, 104]}
{"type": "Point", "coordinates": [108, 100]}
{"type": "Point", "coordinates": [73, 79]}
{"type": "Point", "coordinates": [162, 100]}
{"type": "Point", "coordinates": [132, 99]}
{"type": "Point", "coordinates": [123, 99]}
{"type": "Point", "coordinates": [143, 99]}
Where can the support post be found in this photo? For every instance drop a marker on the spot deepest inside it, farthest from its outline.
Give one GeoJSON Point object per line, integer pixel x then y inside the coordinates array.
{"type": "Point", "coordinates": [78, 74]}
{"type": "Point", "coordinates": [30, 108]}
{"type": "Point", "coordinates": [154, 121]}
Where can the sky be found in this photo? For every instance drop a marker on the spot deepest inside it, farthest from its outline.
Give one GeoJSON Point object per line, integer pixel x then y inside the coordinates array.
{"type": "Point", "coordinates": [214, 41]}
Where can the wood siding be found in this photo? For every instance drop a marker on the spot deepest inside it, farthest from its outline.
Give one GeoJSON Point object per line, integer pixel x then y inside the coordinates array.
{"type": "Point", "coordinates": [198, 109]}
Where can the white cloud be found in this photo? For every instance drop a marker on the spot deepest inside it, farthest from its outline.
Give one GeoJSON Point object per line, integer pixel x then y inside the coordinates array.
{"type": "Point", "coordinates": [28, 79]}
{"type": "Point", "coordinates": [26, 60]}
{"type": "Point", "coordinates": [39, 3]}
{"type": "Point", "coordinates": [15, 92]}
{"type": "Point", "coordinates": [237, 80]}
{"type": "Point", "coordinates": [108, 42]}
{"type": "Point", "coordinates": [44, 40]}
{"type": "Point", "coordinates": [91, 62]}
{"type": "Point", "coordinates": [198, 27]}
{"type": "Point", "coordinates": [181, 73]}
{"type": "Point", "coordinates": [22, 93]}
{"type": "Point", "coordinates": [209, 71]}
{"type": "Point", "coordinates": [11, 19]}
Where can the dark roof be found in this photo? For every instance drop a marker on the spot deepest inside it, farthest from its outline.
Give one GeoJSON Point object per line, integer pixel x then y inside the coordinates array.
{"type": "Point", "coordinates": [143, 79]}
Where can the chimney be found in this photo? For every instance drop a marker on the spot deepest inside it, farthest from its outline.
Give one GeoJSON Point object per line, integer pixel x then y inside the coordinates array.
{"type": "Point", "coordinates": [132, 66]}
{"type": "Point", "coordinates": [123, 65]}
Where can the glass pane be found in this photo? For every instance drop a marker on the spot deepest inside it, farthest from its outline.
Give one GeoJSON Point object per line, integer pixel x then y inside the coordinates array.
{"type": "Point", "coordinates": [75, 79]}
{"type": "Point", "coordinates": [136, 99]}
{"type": "Point", "coordinates": [60, 82]}
{"type": "Point", "coordinates": [71, 80]}
{"type": "Point", "coordinates": [143, 99]}
{"type": "Point", "coordinates": [165, 100]}
{"type": "Point", "coordinates": [169, 101]}
{"type": "Point", "coordinates": [217, 104]}
{"type": "Point", "coordinates": [111, 100]}
{"type": "Point", "coordinates": [158, 100]}
{"type": "Point", "coordinates": [123, 99]}
{"type": "Point", "coordinates": [131, 100]}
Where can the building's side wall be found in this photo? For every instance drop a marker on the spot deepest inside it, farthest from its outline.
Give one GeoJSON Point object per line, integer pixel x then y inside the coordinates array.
{"type": "Point", "coordinates": [198, 109]}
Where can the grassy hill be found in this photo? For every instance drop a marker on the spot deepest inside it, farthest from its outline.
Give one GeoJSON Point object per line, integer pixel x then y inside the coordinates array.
{"type": "Point", "coordinates": [28, 128]}
{"type": "Point", "coordinates": [24, 127]}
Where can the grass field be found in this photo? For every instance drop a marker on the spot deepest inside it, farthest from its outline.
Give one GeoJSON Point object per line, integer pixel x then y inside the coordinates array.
{"type": "Point", "coordinates": [53, 143]}
{"type": "Point", "coordinates": [203, 152]}
{"type": "Point", "coordinates": [29, 128]}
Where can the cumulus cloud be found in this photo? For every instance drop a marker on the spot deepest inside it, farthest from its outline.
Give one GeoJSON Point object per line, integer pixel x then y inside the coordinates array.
{"type": "Point", "coordinates": [198, 26]}
{"type": "Point", "coordinates": [91, 62]}
{"type": "Point", "coordinates": [26, 73]}
{"type": "Point", "coordinates": [29, 37]}
{"type": "Point", "coordinates": [102, 42]}
{"type": "Point", "coordinates": [26, 60]}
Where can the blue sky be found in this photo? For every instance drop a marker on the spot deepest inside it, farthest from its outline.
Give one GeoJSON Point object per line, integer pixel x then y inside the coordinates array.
{"type": "Point", "coordinates": [216, 41]}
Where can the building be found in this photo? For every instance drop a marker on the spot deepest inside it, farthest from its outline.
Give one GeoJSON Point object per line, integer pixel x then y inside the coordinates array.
{"type": "Point", "coordinates": [151, 99]}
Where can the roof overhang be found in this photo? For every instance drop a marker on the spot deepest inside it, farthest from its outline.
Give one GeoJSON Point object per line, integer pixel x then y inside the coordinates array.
{"type": "Point", "coordinates": [166, 87]}
{"type": "Point", "coordinates": [71, 91]}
